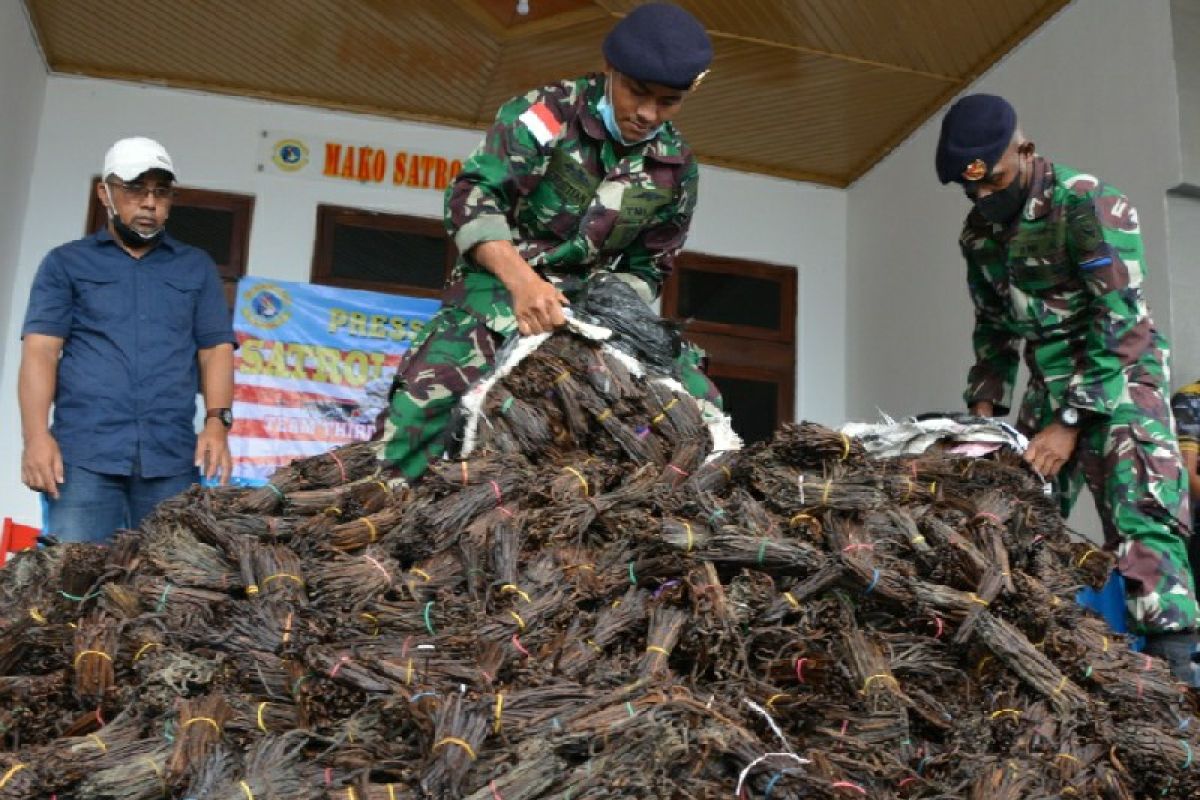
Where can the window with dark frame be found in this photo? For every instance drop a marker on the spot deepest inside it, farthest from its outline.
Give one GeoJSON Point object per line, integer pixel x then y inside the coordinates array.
{"type": "Point", "coordinates": [391, 253]}
{"type": "Point", "coordinates": [216, 222]}
{"type": "Point", "coordinates": [743, 314]}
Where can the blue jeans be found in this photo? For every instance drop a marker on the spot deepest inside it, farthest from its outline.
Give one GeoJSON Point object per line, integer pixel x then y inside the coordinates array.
{"type": "Point", "coordinates": [91, 506]}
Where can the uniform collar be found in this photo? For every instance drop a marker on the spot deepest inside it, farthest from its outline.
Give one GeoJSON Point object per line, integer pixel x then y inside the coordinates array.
{"type": "Point", "coordinates": [666, 147]}
{"type": "Point", "coordinates": [1041, 190]}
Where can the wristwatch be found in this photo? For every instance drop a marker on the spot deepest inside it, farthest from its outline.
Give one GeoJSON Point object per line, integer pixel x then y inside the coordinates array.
{"type": "Point", "coordinates": [223, 414]}
{"type": "Point", "coordinates": [1069, 417]}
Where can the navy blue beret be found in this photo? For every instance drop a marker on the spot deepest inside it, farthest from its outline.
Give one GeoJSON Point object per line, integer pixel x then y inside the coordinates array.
{"type": "Point", "coordinates": [659, 43]}
{"type": "Point", "coordinates": [977, 128]}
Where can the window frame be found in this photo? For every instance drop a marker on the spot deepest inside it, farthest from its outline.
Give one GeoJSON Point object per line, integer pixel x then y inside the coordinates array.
{"type": "Point", "coordinates": [785, 277]}
{"type": "Point", "coordinates": [330, 216]}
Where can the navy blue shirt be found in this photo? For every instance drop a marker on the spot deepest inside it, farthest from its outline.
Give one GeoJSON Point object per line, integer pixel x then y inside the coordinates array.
{"type": "Point", "coordinates": [125, 402]}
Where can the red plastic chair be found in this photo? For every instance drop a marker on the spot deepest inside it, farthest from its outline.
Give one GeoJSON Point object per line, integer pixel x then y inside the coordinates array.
{"type": "Point", "coordinates": [16, 537]}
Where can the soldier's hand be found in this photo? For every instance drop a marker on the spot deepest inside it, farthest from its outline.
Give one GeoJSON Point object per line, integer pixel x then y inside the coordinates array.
{"type": "Point", "coordinates": [983, 408]}
{"type": "Point", "coordinates": [42, 465]}
{"type": "Point", "coordinates": [538, 305]}
{"type": "Point", "coordinates": [1051, 448]}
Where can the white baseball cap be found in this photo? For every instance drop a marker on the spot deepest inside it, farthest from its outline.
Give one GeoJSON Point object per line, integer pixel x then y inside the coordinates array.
{"type": "Point", "coordinates": [130, 158]}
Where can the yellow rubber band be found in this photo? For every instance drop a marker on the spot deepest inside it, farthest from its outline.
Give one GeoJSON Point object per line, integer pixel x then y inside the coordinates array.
{"type": "Point", "coordinates": [408, 675]}
{"type": "Point", "coordinates": [463, 743]}
{"type": "Point", "coordinates": [1061, 684]}
{"type": "Point", "coordinates": [513, 588]}
{"type": "Point", "coordinates": [83, 653]}
{"type": "Point", "coordinates": [13, 770]}
{"type": "Point", "coordinates": [37, 616]}
{"type": "Point", "coordinates": [142, 650]}
{"type": "Point", "coordinates": [882, 676]}
{"type": "Point", "coordinates": [287, 575]}
{"type": "Point", "coordinates": [771, 700]}
{"type": "Point", "coordinates": [350, 793]}
{"type": "Point", "coordinates": [1016, 712]}
{"type": "Point", "coordinates": [262, 726]}
{"type": "Point", "coordinates": [845, 447]}
{"type": "Point", "coordinates": [792, 601]}
{"type": "Point", "coordinates": [562, 376]}
{"type": "Point", "coordinates": [383, 486]}
{"type": "Point", "coordinates": [422, 574]}
{"type": "Point", "coordinates": [977, 599]}
{"type": "Point", "coordinates": [517, 617]}
{"type": "Point", "coordinates": [1105, 640]}
{"type": "Point", "coordinates": [603, 415]}
{"type": "Point", "coordinates": [658, 419]}
{"type": "Point", "coordinates": [99, 742]}
{"type": "Point", "coordinates": [728, 474]}
{"type": "Point", "coordinates": [656, 649]}
{"type": "Point", "coordinates": [209, 720]}
{"type": "Point", "coordinates": [918, 539]}
{"type": "Point", "coordinates": [1084, 557]}
{"type": "Point", "coordinates": [372, 531]}
{"type": "Point", "coordinates": [246, 788]}
{"type": "Point", "coordinates": [933, 487]}
{"type": "Point", "coordinates": [687, 526]}
{"type": "Point", "coordinates": [982, 663]}
{"type": "Point", "coordinates": [582, 480]}
{"type": "Point", "coordinates": [374, 619]}
{"type": "Point", "coordinates": [592, 644]}
{"type": "Point", "coordinates": [1067, 756]}
{"type": "Point", "coordinates": [252, 590]}
{"type": "Point", "coordinates": [391, 792]}
{"type": "Point", "coordinates": [825, 494]}
{"type": "Point", "coordinates": [497, 714]}
{"type": "Point", "coordinates": [336, 511]}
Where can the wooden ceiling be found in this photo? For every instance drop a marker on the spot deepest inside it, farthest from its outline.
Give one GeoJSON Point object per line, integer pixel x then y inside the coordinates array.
{"type": "Point", "coordinates": [814, 90]}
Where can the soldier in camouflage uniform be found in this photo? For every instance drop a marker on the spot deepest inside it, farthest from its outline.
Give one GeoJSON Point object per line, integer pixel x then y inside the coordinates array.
{"type": "Point", "coordinates": [571, 180]}
{"type": "Point", "coordinates": [1054, 258]}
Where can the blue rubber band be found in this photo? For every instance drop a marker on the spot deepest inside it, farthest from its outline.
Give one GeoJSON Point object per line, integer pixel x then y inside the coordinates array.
{"type": "Point", "coordinates": [419, 695]}
{"type": "Point", "coordinates": [771, 785]}
{"type": "Point", "coordinates": [1187, 746]}
{"type": "Point", "coordinates": [162, 600]}
{"type": "Point", "coordinates": [632, 574]}
{"type": "Point", "coordinates": [874, 582]}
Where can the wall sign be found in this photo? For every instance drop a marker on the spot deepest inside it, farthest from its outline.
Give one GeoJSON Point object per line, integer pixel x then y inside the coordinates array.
{"type": "Point", "coordinates": [339, 160]}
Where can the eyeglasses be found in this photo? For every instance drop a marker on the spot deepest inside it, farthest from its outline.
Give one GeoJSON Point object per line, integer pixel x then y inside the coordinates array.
{"type": "Point", "coordinates": [141, 191]}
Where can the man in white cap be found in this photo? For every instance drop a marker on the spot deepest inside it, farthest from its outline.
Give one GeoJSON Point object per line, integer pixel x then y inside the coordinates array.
{"type": "Point", "coordinates": [122, 328]}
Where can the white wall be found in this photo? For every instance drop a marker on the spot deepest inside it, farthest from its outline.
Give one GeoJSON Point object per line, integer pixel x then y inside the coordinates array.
{"type": "Point", "coordinates": [1094, 88]}
{"type": "Point", "coordinates": [215, 142]}
{"type": "Point", "coordinates": [22, 90]}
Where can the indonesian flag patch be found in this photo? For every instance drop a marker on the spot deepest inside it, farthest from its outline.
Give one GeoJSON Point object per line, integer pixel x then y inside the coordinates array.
{"type": "Point", "coordinates": [541, 122]}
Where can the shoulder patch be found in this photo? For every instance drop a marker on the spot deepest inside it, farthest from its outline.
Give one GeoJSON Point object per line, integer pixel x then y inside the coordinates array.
{"type": "Point", "coordinates": [541, 122]}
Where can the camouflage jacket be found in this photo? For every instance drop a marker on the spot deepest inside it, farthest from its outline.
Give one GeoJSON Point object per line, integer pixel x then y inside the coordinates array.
{"type": "Point", "coordinates": [1186, 406]}
{"type": "Point", "coordinates": [1066, 277]}
{"type": "Point", "coordinates": [548, 178]}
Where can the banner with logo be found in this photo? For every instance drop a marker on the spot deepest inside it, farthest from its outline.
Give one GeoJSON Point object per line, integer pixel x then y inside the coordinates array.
{"type": "Point", "coordinates": [329, 159]}
{"type": "Point", "coordinates": [312, 369]}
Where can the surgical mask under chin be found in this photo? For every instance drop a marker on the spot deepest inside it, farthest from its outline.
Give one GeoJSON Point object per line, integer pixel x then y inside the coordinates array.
{"type": "Point", "coordinates": [609, 116]}
{"type": "Point", "coordinates": [1002, 207]}
{"type": "Point", "coordinates": [127, 234]}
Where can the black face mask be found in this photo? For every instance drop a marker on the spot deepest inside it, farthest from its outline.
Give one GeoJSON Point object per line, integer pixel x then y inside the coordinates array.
{"type": "Point", "coordinates": [131, 237]}
{"type": "Point", "coordinates": [1002, 207]}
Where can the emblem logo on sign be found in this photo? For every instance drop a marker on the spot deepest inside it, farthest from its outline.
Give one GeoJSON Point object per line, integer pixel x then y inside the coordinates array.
{"type": "Point", "coordinates": [267, 306]}
{"type": "Point", "coordinates": [290, 155]}
{"type": "Point", "coordinates": [975, 170]}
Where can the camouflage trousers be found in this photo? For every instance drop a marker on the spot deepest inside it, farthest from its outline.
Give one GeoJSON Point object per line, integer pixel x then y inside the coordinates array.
{"type": "Point", "coordinates": [453, 351]}
{"type": "Point", "coordinates": [1131, 464]}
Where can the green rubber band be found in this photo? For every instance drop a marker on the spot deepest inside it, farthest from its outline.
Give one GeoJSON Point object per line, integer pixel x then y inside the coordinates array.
{"type": "Point", "coordinates": [77, 599]}
{"type": "Point", "coordinates": [632, 574]}
{"type": "Point", "coordinates": [162, 600]}
{"type": "Point", "coordinates": [276, 490]}
{"type": "Point", "coordinates": [1087, 673]}
{"type": "Point", "coordinates": [1187, 746]}
{"type": "Point", "coordinates": [428, 624]}
{"type": "Point", "coordinates": [762, 551]}
{"type": "Point", "coordinates": [507, 404]}
{"type": "Point", "coordinates": [632, 713]}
